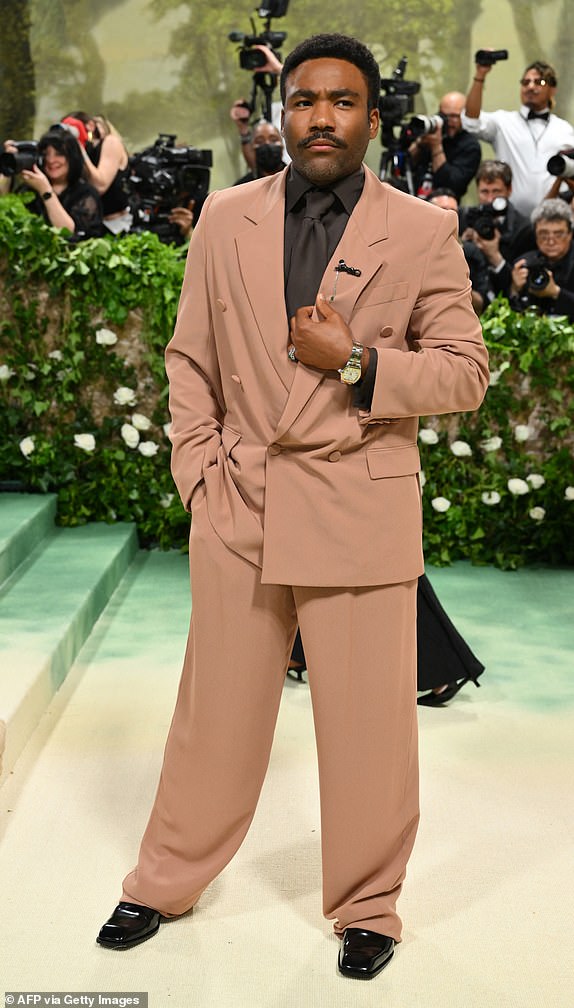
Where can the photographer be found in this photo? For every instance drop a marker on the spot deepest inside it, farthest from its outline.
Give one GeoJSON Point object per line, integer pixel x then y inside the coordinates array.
{"type": "Point", "coordinates": [475, 260]}
{"type": "Point", "coordinates": [106, 169]}
{"type": "Point", "coordinates": [63, 198]}
{"type": "Point", "coordinates": [450, 155]}
{"type": "Point", "coordinates": [494, 225]}
{"type": "Point", "coordinates": [544, 277]}
{"type": "Point", "coordinates": [268, 152]}
{"type": "Point", "coordinates": [526, 138]}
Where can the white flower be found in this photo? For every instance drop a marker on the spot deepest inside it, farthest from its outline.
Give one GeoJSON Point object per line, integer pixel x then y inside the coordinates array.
{"type": "Point", "coordinates": [536, 480]}
{"type": "Point", "coordinates": [440, 503]}
{"type": "Point", "coordinates": [105, 337]}
{"type": "Point", "coordinates": [5, 372]}
{"type": "Point", "coordinates": [461, 449]}
{"type": "Point", "coordinates": [422, 478]}
{"type": "Point", "coordinates": [518, 486]}
{"type": "Point", "coordinates": [495, 375]}
{"type": "Point", "coordinates": [27, 446]}
{"type": "Point", "coordinates": [148, 448]}
{"type": "Point", "coordinates": [140, 421]}
{"type": "Point", "coordinates": [569, 493]}
{"type": "Point", "coordinates": [166, 499]}
{"type": "Point", "coordinates": [522, 432]}
{"type": "Point", "coordinates": [492, 444]}
{"type": "Point", "coordinates": [55, 355]}
{"type": "Point", "coordinates": [86, 442]}
{"type": "Point", "coordinates": [167, 428]}
{"type": "Point", "coordinates": [130, 435]}
{"type": "Point", "coordinates": [428, 435]}
{"type": "Point", "coordinates": [490, 497]}
{"type": "Point", "coordinates": [537, 513]}
{"type": "Point", "coordinates": [124, 396]}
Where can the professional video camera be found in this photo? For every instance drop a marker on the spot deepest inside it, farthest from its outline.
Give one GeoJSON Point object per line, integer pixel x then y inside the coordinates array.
{"type": "Point", "coordinates": [25, 157]}
{"type": "Point", "coordinates": [251, 58]}
{"type": "Point", "coordinates": [162, 177]}
{"type": "Point", "coordinates": [397, 102]}
{"type": "Point", "coordinates": [562, 164]}
{"type": "Point", "coordinates": [488, 57]}
{"type": "Point", "coordinates": [486, 218]}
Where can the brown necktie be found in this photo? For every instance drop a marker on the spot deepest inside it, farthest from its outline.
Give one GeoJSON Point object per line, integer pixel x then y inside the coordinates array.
{"type": "Point", "coordinates": [310, 253]}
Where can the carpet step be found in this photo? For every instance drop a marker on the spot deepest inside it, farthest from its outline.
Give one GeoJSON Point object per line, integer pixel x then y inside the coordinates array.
{"type": "Point", "coordinates": [25, 519]}
{"type": "Point", "coordinates": [48, 607]}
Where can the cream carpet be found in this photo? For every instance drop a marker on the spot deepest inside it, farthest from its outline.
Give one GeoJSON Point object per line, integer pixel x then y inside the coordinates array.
{"type": "Point", "coordinates": [488, 901]}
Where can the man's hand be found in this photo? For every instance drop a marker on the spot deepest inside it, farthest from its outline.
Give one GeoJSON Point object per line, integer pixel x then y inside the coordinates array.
{"type": "Point", "coordinates": [490, 247]}
{"type": "Point", "coordinates": [273, 65]}
{"type": "Point", "coordinates": [323, 343]}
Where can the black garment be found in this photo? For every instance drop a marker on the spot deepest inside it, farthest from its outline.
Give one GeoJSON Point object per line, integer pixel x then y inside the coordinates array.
{"type": "Point", "coordinates": [250, 176]}
{"type": "Point", "coordinates": [463, 154]}
{"type": "Point", "coordinates": [478, 269]}
{"type": "Point", "coordinates": [310, 250]}
{"type": "Point", "coordinates": [563, 273]}
{"type": "Point", "coordinates": [347, 192]}
{"type": "Point", "coordinates": [443, 656]}
{"type": "Point", "coordinates": [82, 203]}
{"type": "Point", "coordinates": [116, 197]}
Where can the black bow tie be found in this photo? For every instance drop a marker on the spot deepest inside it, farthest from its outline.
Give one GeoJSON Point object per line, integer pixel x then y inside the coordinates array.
{"type": "Point", "coordinates": [538, 115]}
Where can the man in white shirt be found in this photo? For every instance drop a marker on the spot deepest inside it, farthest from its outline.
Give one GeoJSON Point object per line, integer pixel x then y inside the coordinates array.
{"type": "Point", "coordinates": [525, 139]}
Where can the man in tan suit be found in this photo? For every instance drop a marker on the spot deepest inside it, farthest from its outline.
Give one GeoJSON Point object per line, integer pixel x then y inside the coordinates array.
{"type": "Point", "coordinates": [295, 448]}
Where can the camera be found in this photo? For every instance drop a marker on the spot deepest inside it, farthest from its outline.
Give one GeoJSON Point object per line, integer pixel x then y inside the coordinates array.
{"type": "Point", "coordinates": [162, 177]}
{"type": "Point", "coordinates": [398, 100]}
{"type": "Point", "coordinates": [538, 276]}
{"type": "Point", "coordinates": [422, 125]}
{"type": "Point", "coordinates": [25, 157]}
{"type": "Point", "coordinates": [486, 218]}
{"type": "Point", "coordinates": [488, 57]}
{"type": "Point", "coordinates": [562, 163]}
{"type": "Point", "coordinates": [251, 58]}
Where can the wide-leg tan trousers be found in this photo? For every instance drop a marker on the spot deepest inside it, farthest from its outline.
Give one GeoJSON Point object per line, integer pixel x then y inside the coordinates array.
{"type": "Point", "coordinates": [360, 645]}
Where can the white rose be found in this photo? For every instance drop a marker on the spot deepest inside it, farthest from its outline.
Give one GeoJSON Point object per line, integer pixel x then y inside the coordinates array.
{"type": "Point", "coordinates": [522, 432]}
{"type": "Point", "coordinates": [461, 449]}
{"type": "Point", "coordinates": [536, 480]}
{"type": "Point", "coordinates": [5, 372]}
{"type": "Point", "coordinates": [518, 486]}
{"type": "Point", "coordinates": [55, 355]}
{"type": "Point", "coordinates": [167, 428]}
{"type": "Point", "coordinates": [130, 435]}
{"type": "Point", "coordinates": [569, 493]}
{"type": "Point", "coordinates": [140, 421]}
{"type": "Point", "coordinates": [440, 503]}
{"type": "Point", "coordinates": [166, 499]}
{"type": "Point", "coordinates": [105, 337]}
{"type": "Point", "coordinates": [428, 435]}
{"type": "Point", "coordinates": [492, 444]}
{"type": "Point", "coordinates": [27, 446]}
{"type": "Point", "coordinates": [422, 478]}
{"type": "Point", "coordinates": [490, 497]}
{"type": "Point", "coordinates": [495, 375]}
{"type": "Point", "coordinates": [124, 396]}
{"type": "Point", "coordinates": [148, 448]}
{"type": "Point", "coordinates": [537, 513]}
{"type": "Point", "coordinates": [86, 442]}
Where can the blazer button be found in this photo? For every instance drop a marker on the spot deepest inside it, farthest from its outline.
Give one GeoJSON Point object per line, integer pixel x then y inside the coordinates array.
{"type": "Point", "coordinates": [275, 449]}
{"type": "Point", "coordinates": [334, 456]}
{"type": "Point", "coordinates": [221, 304]}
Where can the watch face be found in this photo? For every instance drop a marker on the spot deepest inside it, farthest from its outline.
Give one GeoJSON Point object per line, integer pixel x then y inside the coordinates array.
{"type": "Point", "coordinates": [351, 373]}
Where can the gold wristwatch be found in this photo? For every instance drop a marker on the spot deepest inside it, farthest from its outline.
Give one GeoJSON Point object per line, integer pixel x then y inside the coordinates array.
{"type": "Point", "coordinates": [351, 373]}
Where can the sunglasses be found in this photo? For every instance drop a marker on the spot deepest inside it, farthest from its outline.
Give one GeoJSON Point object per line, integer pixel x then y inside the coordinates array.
{"type": "Point", "coordinates": [537, 81]}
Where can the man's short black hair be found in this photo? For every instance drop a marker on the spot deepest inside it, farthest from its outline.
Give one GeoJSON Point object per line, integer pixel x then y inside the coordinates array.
{"type": "Point", "coordinates": [334, 46]}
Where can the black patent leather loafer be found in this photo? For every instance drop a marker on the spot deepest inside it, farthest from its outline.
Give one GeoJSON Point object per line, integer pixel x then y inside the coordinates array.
{"type": "Point", "coordinates": [364, 954]}
{"type": "Point", "coordinates": [129, 925]}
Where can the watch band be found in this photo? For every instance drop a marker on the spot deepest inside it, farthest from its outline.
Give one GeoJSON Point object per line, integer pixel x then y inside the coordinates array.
{"type": "Point", "coordinates": [47, 195]}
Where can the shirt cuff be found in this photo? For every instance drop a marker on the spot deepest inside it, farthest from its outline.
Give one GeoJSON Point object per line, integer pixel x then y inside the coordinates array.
{"type": "Point", "coordinates": [363, 392]}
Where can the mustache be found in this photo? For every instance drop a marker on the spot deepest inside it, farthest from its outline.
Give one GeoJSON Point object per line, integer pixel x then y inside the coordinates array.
{"type": "Point", "coordinates": [322, 135]}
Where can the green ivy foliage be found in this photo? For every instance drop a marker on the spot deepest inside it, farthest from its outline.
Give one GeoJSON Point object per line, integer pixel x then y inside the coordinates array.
{"type": "Point", "coordinates": [84, 404]}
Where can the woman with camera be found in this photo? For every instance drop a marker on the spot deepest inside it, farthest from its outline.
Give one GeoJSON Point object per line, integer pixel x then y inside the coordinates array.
{"type": "Point", "coordinates": [106, 166]}
{"type": "Point", "coordinates": [63, 198]}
